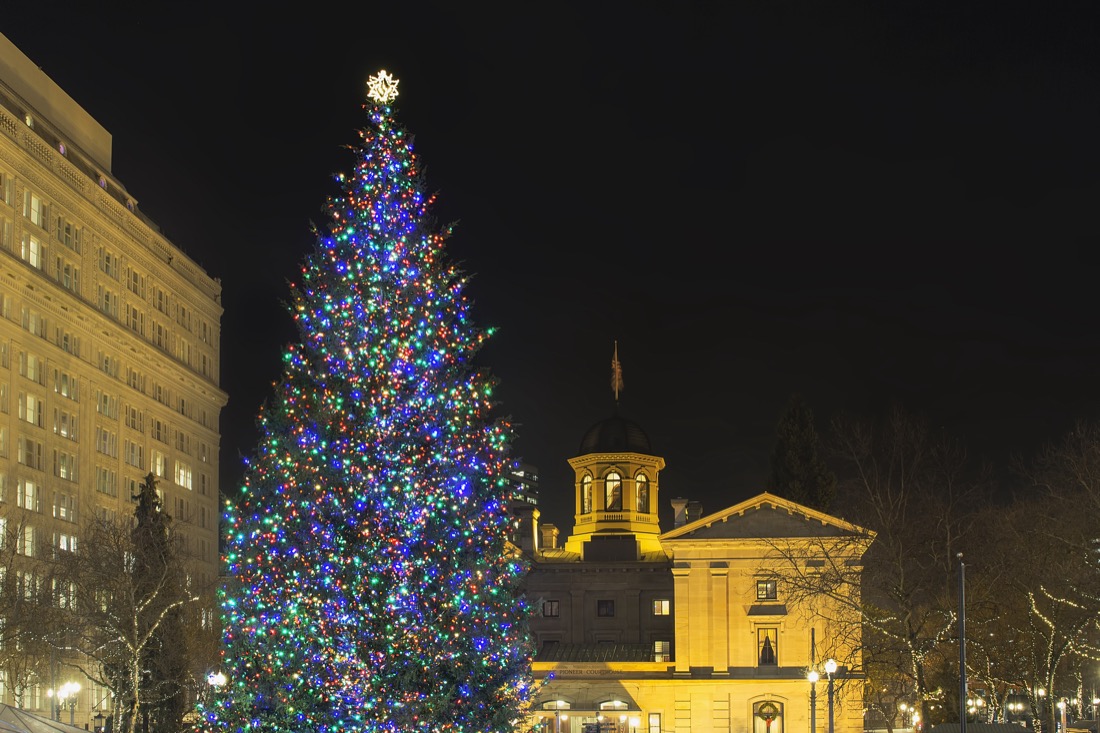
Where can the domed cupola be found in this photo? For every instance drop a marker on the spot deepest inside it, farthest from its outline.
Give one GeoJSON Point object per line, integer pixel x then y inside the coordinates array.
{"type": "Point", "coordinates": [616, 487]}
{"type": "Point", "coordinates": [615, 435]}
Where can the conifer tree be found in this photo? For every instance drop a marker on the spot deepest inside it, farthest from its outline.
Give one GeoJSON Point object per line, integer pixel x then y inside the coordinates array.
{"type": "Point", "coordinates": [158, 575]}
{"type": "Point", "coordinates": [371, 586]}
{"type": "Point", "coordinates": [798, 470]}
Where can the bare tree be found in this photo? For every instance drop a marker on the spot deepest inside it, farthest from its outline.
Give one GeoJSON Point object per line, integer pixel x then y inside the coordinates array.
{"type": "Point", "coordinates": [918, 495]}
{"type": "Point", "coordinates": [125, 601]}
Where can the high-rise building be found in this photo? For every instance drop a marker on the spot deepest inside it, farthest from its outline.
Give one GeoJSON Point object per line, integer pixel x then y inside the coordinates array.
{"type": "Point", "coordinates": [109, 348]}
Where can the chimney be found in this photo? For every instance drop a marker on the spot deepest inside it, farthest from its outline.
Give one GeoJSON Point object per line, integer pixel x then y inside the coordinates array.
{"type": "Point", "coordinates": [679, 512]}
{"type": "Point", "coordinates": [694, 511]}
{"type": "Point", "coordinates": [549, 537]}
{"type": "Point", "coordinates": [527, 519]}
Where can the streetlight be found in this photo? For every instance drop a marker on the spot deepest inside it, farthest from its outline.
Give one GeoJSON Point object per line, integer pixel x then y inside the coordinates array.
{"type": "Point", "coordinates": [812, 677]}
{"type": "Point", "coordinates": [97, 723]}
{"type": "Point", "coordinates": [635, 721]}
{"type": "Point", "coordinates": [830, 670]}
{"type": "Point", "coordinates": [67, 695]}
{"type": "Point", "coordinates": [903, 707]}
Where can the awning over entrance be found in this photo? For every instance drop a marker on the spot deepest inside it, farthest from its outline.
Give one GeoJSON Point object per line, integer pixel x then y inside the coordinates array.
{"type": "Point", "coordinates": [585, 698]}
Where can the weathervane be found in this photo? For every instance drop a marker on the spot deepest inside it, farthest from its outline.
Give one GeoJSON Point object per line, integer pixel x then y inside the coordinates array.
{"type": "Point", "coordinates": [616, 373]}
{"type": "Point", "coordinates": [383, 88]}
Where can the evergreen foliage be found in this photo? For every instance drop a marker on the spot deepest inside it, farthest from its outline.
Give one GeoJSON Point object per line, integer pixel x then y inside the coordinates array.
{"type": "Point", "coordinates": [371, 584]}
{"type": "Point", "coordinates": [798, 470]}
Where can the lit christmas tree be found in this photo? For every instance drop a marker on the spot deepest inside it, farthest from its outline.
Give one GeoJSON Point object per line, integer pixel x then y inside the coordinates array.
{"type": "Point", "coordinates": [371, 586]}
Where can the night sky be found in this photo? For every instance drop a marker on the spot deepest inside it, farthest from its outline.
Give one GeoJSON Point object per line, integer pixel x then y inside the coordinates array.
{"type": "Point", "coordinates": [863, 203]}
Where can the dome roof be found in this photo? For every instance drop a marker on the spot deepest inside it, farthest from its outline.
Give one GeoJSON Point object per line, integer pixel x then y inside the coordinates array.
{"type": "Point", "coordinates": [615, 435]}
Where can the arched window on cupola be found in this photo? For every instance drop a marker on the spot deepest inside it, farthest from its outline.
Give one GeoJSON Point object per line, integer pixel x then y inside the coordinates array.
{"type": "Point", "coordinates": [641, 493]}
{"type": "Point", "coordinates": [613, 491]}
{"type": "Point", "coordinates": [586, 494]}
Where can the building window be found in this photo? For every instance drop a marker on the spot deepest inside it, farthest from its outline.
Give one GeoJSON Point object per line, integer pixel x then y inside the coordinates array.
{"type": "Point", "coordinates": [641, 488]}
{"type": "Point", "coordinates": [661, 607]}
{"type": "Point", "coordinates": [106, 404]}
{"type": "Point", "coordinates": [68, 275]}
{"type": "Point", "coordinates": [766, 590]}
{"type": "Point", "coordinates": [26, 542]}
{"type": "Point", "coordinates": [64, 465]}
{"type": "Point", "coordinates": [135, 320]}
{"type": "Point", "coordinates": [34, 208]}
{"type": "Point", "coordinates": [183, 475]}
{"type": "Point", "coordinates": [550, 609]}
{"type": "Point", "coordinates": [65, 384]}
{"type": "Point", "coordinates": [158, 463]}
{"type": "Point", "coordinates": [30, 409]}
{"type": "Point", "coordinates": [159, 428]}
{"type": "Point", "coordinates": [135, 282]}
{"type": "Point", "coordinates": [108, 263]}
{"type": "Point", "coordinates": [32, 367]}
{"type": "Point", "coordinates": [32, 251]}
{"type": "Point", "coordinates": [135, 454]}
{"type": "Point", "coordinates": [27, 497]}
{"type": "Point", "coordinates": [767, 652]}
{"type": "Point", "coordinates": [586, 495]}
{"type": "Point", "coordinates": [31, 454]}
{"type": "Point", "coordinates": [68, 234]}
{"type": "Point", "coordinates": [64, 506]}
{"type": "Point", "coordinates": [654, 723]}
{"type": "Point", "coordinates": [605, 609]}
{"type": "Point", "coordinates": [613, 492]}
{"type": "Point", "coordinates": [64, 424]}
{"type": "Point", "coordinates": [106, 442]}
{"type": "Point", "coordinates": [662, 651]}
{"type": "Point", "coordinates": [34, 322]}
{"type": "Point", "coordinates": [108, 301]}
{"type": "Point", "coordinates": [106, 481]}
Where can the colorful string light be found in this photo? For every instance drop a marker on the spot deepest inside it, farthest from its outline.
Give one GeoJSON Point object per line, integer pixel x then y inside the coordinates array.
{"type": "Point", "coordinates": [370, 584]}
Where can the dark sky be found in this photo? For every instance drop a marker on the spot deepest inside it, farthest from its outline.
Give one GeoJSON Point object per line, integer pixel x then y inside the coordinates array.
{"type": "Point", "coordinates": [859, 202]}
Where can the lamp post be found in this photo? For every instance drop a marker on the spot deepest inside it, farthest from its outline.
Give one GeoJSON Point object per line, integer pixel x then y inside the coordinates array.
{"type": "Point", "coordinates": [215, 681]}
{"type": "Point", "coordinates": [97, 723]}
{"type": "Point", "coordinates": [830, 670]}
{"type": "Point", "coordinates": [813, 677]}
{"type": "Point", "coordinates": [67, 696]}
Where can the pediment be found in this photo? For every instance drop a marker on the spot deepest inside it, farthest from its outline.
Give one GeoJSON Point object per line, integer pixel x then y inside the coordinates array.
{"type": "Point", "coordinates": [766, 516]}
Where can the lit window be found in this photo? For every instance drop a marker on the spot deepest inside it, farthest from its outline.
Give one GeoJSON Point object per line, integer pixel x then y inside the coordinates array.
{"type": "Point", "coordinates": [613, 492]}
{"type": "Point", "coordinates": [183, 475]}
{"type": "Point", "coordinates": [661, 607]}
{"type": "Point", "coordinates": [654, 723]}
{"type": "Point", "coordinates": [158, 463]}
{"type": "Point", "coordinates": [767, 652]}
{"type": "Point", "coordinates": [550, 609]}
{"type": "Point", "coordinates": [641, 487]}
{"type": "Point", "coordinates": [586, 495]}
{"type": "Point", "coordinates": [662, 651]}
{"type": "Point", "coordinates": [766, 590]}
{"type": "Point", "coordinates": [32, 251]}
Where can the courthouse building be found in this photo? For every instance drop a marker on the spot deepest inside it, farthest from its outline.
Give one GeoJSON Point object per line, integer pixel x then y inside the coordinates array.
{"type": "Point", "coordinates": [684, 629]}
{"type": "Point", "coordinates": [109, 353]}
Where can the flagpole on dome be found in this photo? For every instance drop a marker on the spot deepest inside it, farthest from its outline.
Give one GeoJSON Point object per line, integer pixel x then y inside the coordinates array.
{"type": "Point", "coordinates": [616, 375]}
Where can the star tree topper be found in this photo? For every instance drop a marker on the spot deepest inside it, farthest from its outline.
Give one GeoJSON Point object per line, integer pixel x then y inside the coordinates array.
{"type": "Point", "coordinates": [383, 88]}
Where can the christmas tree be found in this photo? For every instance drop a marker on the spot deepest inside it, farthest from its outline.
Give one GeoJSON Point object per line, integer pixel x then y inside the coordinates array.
{"type": "Point", "coordinates": [371, 585]}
